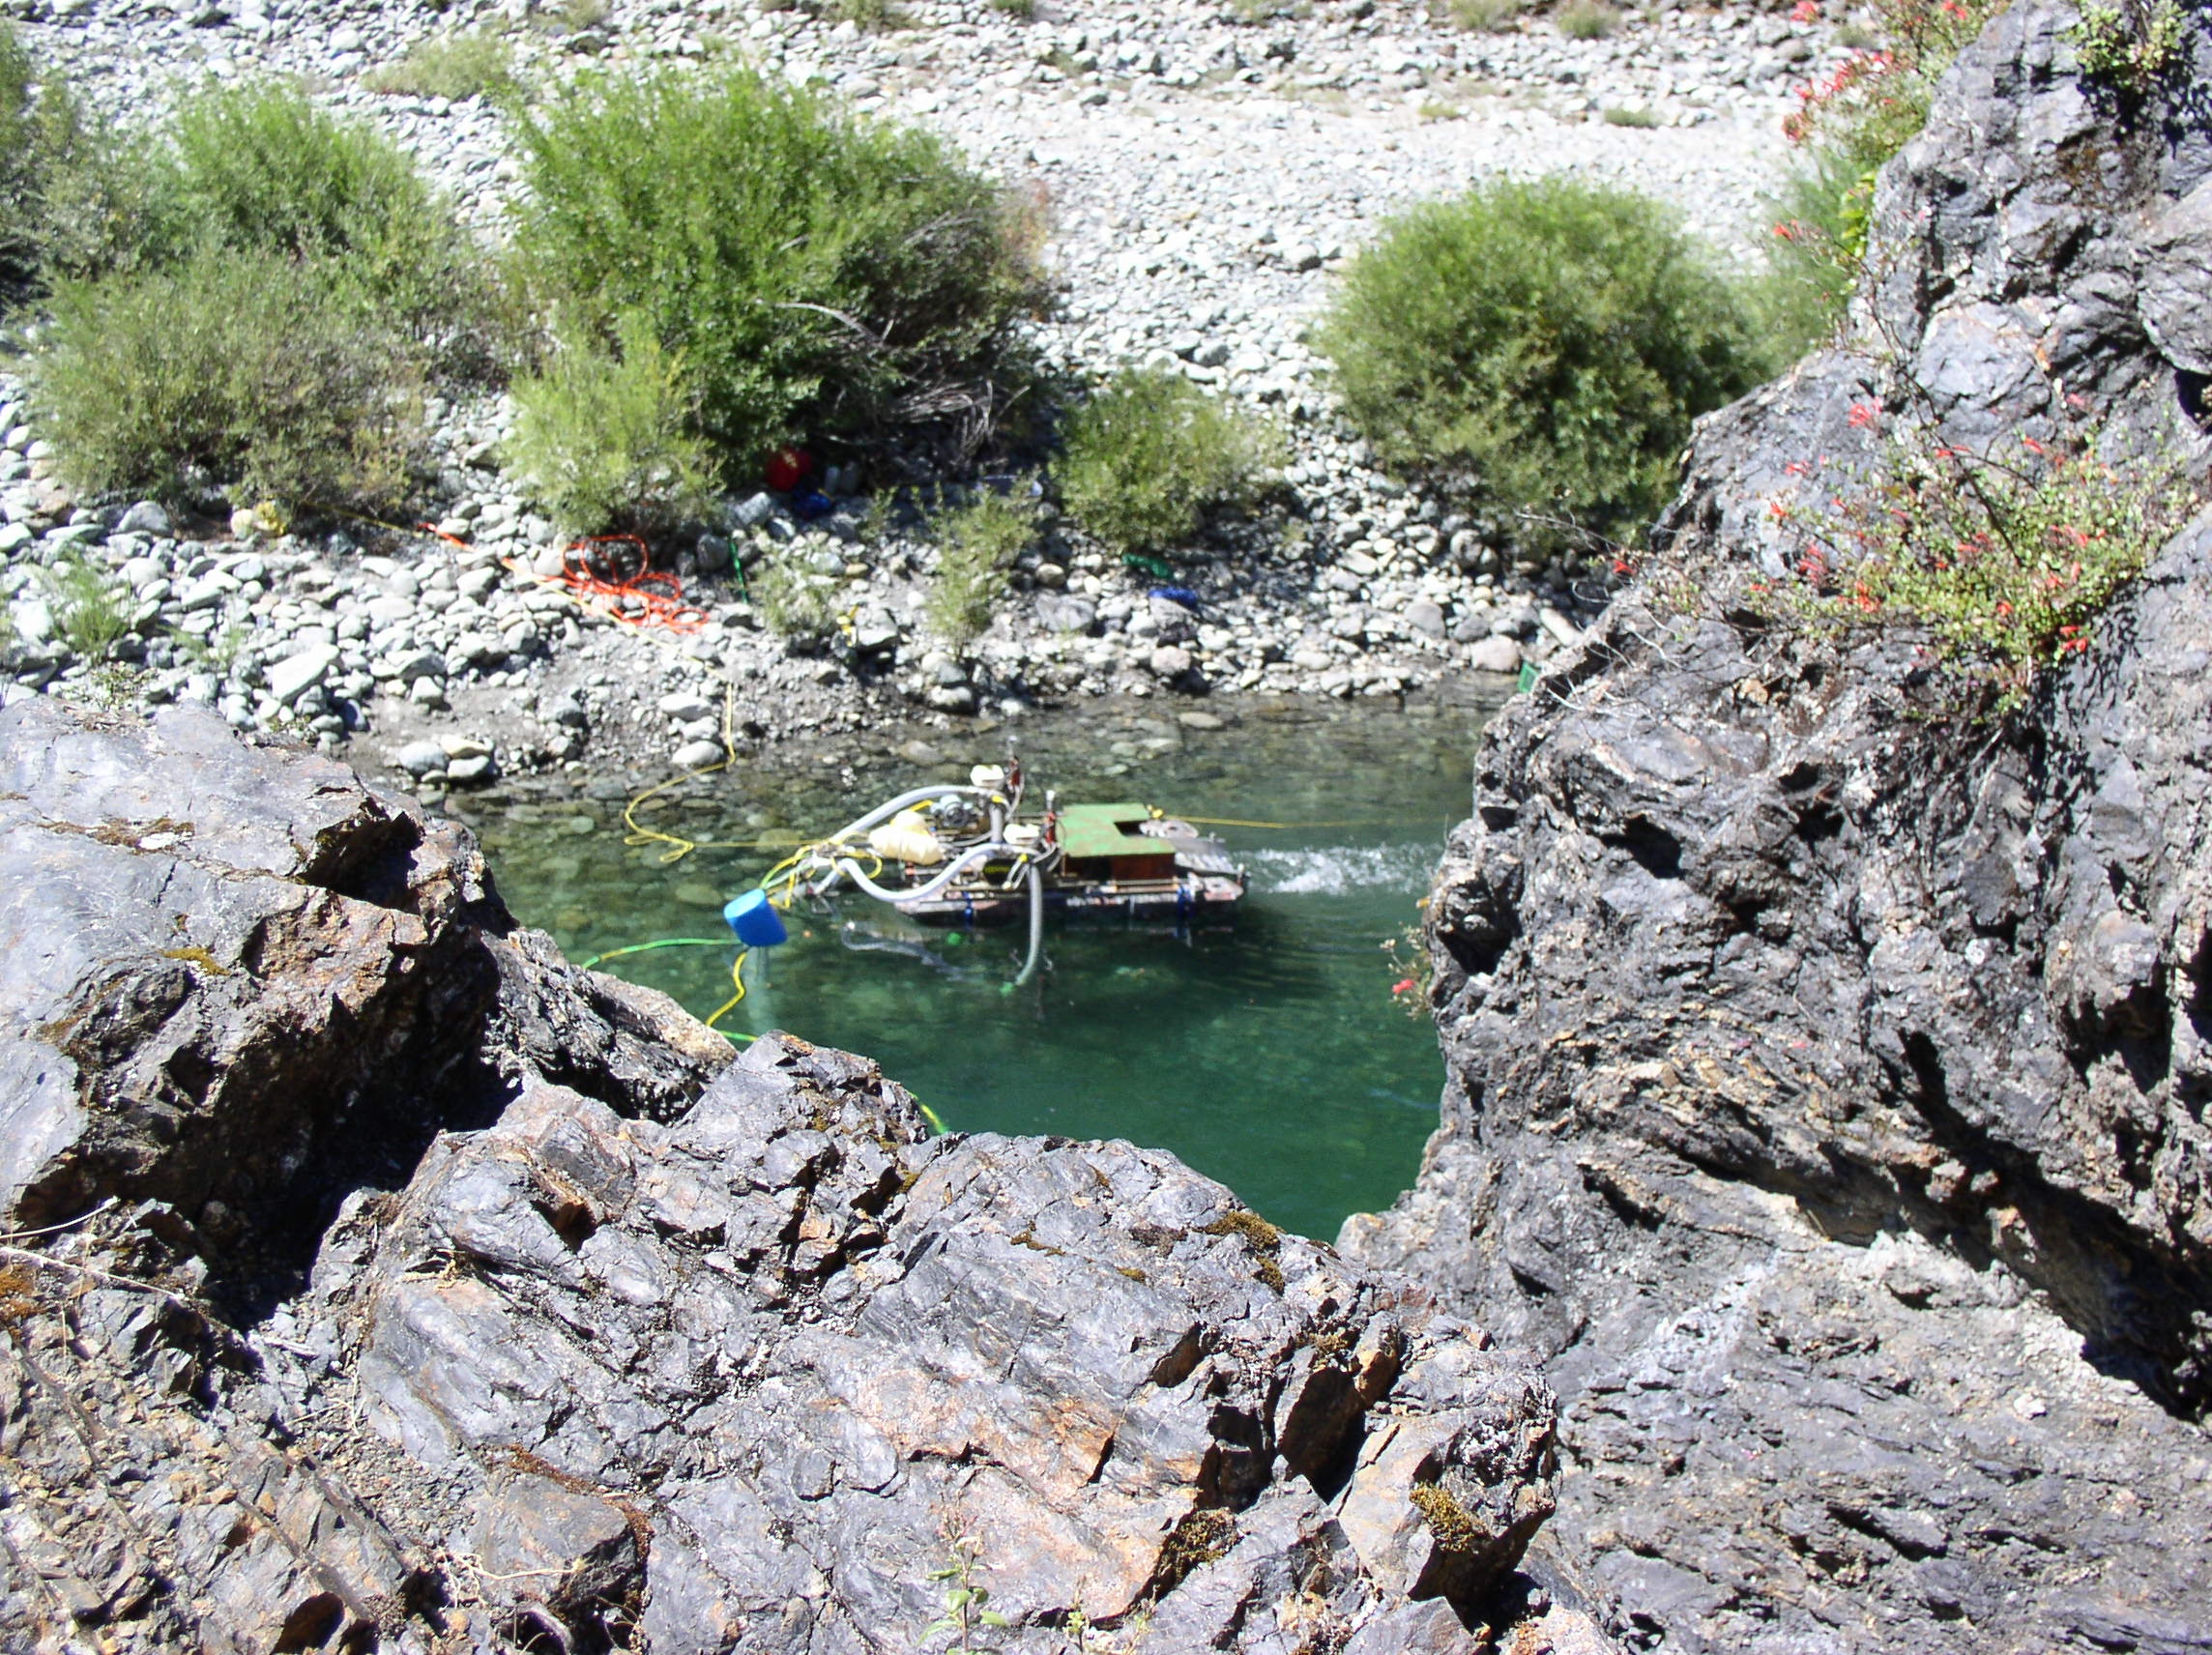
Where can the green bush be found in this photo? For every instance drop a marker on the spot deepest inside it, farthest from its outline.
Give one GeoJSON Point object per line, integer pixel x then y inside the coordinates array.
{"type": "Point", "coordinates": [19, 160]}
{"type": "Point", "coordinates": [1585, 19]}
{"type": "Point", "coordinates": [815, 273]}
{"type": "Point", "coordinates": [1485, 16]}
{"type": "Point", "coordinates": [2132, 47]}
{"type": "Point", "coordinates": [1147, 455]}
{"type": "Point", "coordinates": [261, 168]}
{"type": "Point", "coordinates": [74, 200]}
{"type": "Point", "coordinates": [976, 545]}
{"type": "Point", "coordinates": [793, 596]}
{"type": "Point", "coordinates": [239, 368]}
{"type": "Point", "coordinates": [1543, 347]}
{"type": "Point", "coordinates": [452, 66]}
{"type": "Point", "coordinates": [602, 436]}
{"type": "Point", "coordinates": [1619, 116]}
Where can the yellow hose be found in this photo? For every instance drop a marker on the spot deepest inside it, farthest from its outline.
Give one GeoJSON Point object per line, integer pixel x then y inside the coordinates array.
{"type": "Point", "coordinates": [736, 977]}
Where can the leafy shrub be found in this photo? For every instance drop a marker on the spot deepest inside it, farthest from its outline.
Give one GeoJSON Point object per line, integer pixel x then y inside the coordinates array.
{"type": "Point", "coordinates": [73, 197]}
{"type": "Point", "coordinates": [977, 544]}
{"type": "Point", "coordinates": [261, 168]}
{"type": "Point", "coordinates": [1619, 116]}
{"type": "Point", "coordinates": [878, 16]}
{"type": "Point", "coordinates": [452, 66]}
{"type": "Point", "coordinates": [1485, 16]}
{"type": "Point", "coordinates": [1147, 455]}
{"type": "Point", "coordinates": [2005, 562]}
{"type": "Point", "coordinates": [90, 609]}
{"type": "Point", "coordinates": [813, 272]}
{"type": "Point", "coordinates": [19, 160]}
{"type": "Point", "coordinates": [1543, 346]}
{"type": "Point", "coordinates": [793, 596]}
{"type": "Point", "coordinates": [232, 367]}
{"type": "Point", "coordinates": [1585, 19]}
{"type": "Point", "coordinates": [601, 435]}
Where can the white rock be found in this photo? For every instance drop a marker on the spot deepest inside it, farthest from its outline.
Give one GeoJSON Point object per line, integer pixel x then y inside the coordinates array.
{"type": "Point", "coordinates": [294, 676]}
{"type": "Point", "coordinates": [697, 755]}
{"type": "Point", "coordinates": [686, 706]}
{"type": "Point", "coordinates": [421, 757]}
{"type": "Point", "coordinates": [1495, 654]}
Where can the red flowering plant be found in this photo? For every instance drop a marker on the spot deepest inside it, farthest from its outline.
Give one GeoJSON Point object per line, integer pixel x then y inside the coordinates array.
{"type": "Point", "coordinates": [2005, 559]}
{"type": "Point", "coordinates": [1408, 955]}
{"type": "Point", "coordinates": [1849, 122]}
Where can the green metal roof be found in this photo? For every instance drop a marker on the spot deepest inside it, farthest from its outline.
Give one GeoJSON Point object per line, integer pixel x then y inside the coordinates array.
{"type": "Point", "coordinates": [1088, 830]}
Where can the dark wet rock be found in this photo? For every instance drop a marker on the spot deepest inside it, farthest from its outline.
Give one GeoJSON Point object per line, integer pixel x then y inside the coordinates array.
{"type": "Point", "coordinates": [1827, 1070]}
{"type": "Point", "coordinates": [397, 1286]}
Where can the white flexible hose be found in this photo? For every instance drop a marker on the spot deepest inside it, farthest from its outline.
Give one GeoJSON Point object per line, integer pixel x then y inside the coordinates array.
{"type": "Point", "coordinates": [848, 869]}
{"type": "Point", "coordinates": [883, 812]}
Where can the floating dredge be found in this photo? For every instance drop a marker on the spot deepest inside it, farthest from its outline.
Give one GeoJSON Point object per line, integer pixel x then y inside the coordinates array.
{"type": "Point", "coordinates": [971, 855]}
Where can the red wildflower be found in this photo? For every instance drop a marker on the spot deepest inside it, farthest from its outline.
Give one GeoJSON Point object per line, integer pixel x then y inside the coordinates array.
{"type": "Point", "coordinates": [1865, 416]}
{"type": "Point", "coordinates": [1404, 985]}
{"type": "Point", "coordinates": [1805, 11]}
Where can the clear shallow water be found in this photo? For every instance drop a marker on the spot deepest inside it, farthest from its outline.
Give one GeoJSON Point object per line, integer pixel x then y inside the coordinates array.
{"type": "Point", "coordinates": [1267, 1053]}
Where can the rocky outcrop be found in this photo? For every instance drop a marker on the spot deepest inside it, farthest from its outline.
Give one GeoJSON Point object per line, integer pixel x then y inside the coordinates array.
{"type": "Point", "coordinates": [1826, 1110]}
{"type": "Point", "coordinates": [379, 1281]}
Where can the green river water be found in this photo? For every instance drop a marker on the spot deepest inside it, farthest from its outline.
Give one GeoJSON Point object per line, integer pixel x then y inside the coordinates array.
{"type": "Point", "coordinates": [1266, 1051]}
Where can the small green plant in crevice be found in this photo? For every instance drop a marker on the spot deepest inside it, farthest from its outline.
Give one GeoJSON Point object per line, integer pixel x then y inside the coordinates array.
{"type": "Point", "coordinates": [967, 1603]}
{"type": "Point", "coordinates": [1484, 16]}
{"type": "Point", "coordinates": [581, 14]}
{"type": "Point", "coordinates": [1585, 19]}
{"type": "Point", "coordinates": [1448, 1519]}
{"type": "Point", "coordinates": [1025, 10]}
{"type": "Point", "coordinates": [793, 598]}
{"type": "Point", "coordinates": [1618, 115]}
{"type": "Point", "coordinates": [2133, 46]}
{"type": "Point", "coordinates": [1149, 454]}
{"type": "Point", "coordinates": [1414, 971]}
{"type": "Point", "coordinates": [457, 68]}
{"type": "Point", "coordinates": [976, 547]}
{"type": "Point", "coordinates": [1199, 1538]}
{"type": "Point", "coordinates": [876, 17]}
{"type": "Point", "coordinates": [1539, 349]}
{"type": "Point", "coordinates": [1262, 1237]}
{"type": "Point", "coordinates": [602, 435]}
{"type": "Point", "coordinates": [2004, 561]}
{"type": "Point", "coordinates": [91, 610]}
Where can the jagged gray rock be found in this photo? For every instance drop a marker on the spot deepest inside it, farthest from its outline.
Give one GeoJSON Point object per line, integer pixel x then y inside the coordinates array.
{"type": "Point", "coordinates": [388, 1283]}
{"type": "Point", "coordinates": [1826, 1075]}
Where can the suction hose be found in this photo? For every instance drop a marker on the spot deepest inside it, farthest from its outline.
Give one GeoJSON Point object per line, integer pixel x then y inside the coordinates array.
{"type": "Point", "coordinates": [1036, 926]}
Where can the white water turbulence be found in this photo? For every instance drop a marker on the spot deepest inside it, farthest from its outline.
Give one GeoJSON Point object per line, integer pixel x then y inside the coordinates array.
{"type": "Point", "coordinates": [1332, 870]}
